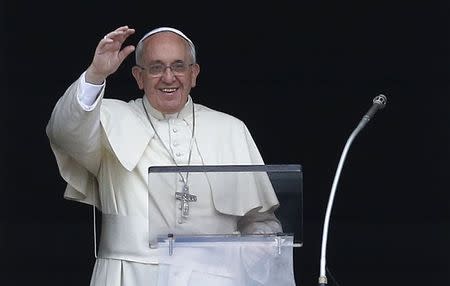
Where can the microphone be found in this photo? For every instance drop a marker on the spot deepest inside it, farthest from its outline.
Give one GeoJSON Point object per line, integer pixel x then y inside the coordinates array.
{"type": "Point", "coordinates": [379, 102]}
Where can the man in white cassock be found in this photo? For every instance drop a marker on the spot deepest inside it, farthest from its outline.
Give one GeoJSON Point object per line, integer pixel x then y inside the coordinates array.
{"type": "Point", "coordinates": [104, 147]}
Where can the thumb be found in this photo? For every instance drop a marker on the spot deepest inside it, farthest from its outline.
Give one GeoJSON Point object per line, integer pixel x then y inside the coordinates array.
{"type": "Point", "coordinates": [125, 52]}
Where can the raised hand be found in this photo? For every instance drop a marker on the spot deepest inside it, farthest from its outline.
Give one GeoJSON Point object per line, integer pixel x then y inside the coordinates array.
{"type": "Point", "coordinates": [109, 55]}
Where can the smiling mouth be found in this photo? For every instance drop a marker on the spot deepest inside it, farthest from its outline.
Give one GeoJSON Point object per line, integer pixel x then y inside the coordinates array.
{"type": "Point", "coordinates": [168, 90]}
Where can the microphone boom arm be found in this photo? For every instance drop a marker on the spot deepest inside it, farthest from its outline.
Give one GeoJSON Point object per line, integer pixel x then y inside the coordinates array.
{"type": "Point", "coordinates": [322, 277]}
{"type": "Point", "coordinates": [378, 103]}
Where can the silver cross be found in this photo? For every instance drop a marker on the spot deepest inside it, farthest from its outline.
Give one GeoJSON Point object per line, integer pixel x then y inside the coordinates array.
{"type": "Point", "coordinates": [185, 199]}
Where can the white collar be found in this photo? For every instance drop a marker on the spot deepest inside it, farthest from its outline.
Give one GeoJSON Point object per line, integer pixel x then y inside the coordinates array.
{"type": "Point", "coordinates": [185, 111]}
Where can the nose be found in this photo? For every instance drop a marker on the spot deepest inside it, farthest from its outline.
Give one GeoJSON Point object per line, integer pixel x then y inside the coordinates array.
{"type": "Point", "coordinates": [168, 74]}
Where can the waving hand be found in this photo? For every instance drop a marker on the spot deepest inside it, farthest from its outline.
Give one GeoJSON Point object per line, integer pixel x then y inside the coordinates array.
{"type": "Point", "coordinates": [109, 55]}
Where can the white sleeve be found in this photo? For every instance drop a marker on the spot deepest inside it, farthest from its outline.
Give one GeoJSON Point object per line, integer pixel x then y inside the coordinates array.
{"type": "Point", "coordinates": [74, 132]}
{"type": "Point", "coordinates": [89, 93]}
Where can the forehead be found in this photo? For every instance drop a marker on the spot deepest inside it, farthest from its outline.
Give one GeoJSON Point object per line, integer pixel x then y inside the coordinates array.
{"type": "Point", "coordinates": [165, 47]}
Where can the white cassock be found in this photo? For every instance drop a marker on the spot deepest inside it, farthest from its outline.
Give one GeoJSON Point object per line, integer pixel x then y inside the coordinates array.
{"type": "Point", "coordinates": [104, 154]}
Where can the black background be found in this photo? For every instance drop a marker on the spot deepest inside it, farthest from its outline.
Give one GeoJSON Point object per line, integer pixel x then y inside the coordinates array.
{"type": "Point", "coordinates": [300, 74]}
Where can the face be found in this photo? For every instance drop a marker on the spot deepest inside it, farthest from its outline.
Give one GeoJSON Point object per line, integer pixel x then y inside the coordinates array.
{"type": "Point", "coordinates": [168, 92]}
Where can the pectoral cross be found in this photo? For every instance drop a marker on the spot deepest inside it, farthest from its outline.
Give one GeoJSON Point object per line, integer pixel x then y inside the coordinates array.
{"type": "Point", "coordinates": [185, 198]}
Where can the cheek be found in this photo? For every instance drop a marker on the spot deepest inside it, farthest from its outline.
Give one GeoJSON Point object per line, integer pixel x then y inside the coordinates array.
{"type": "Point", "coordinates": [146, 84]}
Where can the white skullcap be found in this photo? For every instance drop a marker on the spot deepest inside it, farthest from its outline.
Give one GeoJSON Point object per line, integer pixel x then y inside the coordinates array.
{"type": "Point", "coordinates": [166, 29]}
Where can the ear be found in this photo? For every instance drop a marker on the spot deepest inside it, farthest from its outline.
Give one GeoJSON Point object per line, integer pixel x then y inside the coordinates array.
{"type": "Point", "coordinates": [137, 74]}
{"type": "Point", "coordinates": [195, 71]}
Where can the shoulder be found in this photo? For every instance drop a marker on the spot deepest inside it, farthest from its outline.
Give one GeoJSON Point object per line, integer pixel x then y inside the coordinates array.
{"type": "Point", "coordinates": [114, 110]}
{"type": "Point", "coordinates": [214, 116]}
{"type": "Point", "coordinates": [116, 105]}
{"type": "Point", "coordinates": [120, 104]}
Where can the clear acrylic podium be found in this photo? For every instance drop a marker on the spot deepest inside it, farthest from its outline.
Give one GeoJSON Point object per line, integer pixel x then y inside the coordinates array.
{"type": "Point", "coordinates": [202, 253]}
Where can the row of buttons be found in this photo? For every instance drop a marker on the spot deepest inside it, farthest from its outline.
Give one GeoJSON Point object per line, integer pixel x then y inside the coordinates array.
{"type": "Point", "coordinates": [176, 143]}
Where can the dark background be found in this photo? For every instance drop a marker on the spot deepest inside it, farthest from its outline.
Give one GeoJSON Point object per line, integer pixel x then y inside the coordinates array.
{"type": "Point", "coordinates": [301, 74]}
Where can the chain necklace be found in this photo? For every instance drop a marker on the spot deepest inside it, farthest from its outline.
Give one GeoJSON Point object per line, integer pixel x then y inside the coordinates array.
{"type": "Point", "coordinates": [184, 196]}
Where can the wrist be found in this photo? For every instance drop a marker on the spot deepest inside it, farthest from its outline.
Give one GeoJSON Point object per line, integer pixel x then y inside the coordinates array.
{"type": "Point", "coordinates": [93, 77]}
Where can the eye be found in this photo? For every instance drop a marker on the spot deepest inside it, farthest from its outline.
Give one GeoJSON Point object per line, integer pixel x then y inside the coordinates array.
{"type": "Point", "coordinates": [155, 69]}
{"type": "Point", "coordinates": [178, 67]}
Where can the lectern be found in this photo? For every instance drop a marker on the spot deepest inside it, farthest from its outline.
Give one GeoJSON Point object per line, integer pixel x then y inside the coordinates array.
{"type": "Point", "coordinates": [194, 243]}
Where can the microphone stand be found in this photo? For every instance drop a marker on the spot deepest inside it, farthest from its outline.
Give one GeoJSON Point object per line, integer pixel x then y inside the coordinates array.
{"type": "Point", "coordinates": [379, 102]}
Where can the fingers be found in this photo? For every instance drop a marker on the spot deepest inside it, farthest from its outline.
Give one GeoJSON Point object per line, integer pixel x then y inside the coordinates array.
{"type": "Point", "coordinates": [120, 34]}
{"type": "Point", "coordinates": [114, 40]}
{"type": "Point", "coordinates": [109, 53]}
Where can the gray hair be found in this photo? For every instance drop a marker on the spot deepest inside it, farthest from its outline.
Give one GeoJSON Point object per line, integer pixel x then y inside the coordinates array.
{"type": "Point", "coordinates": [140, 45]}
